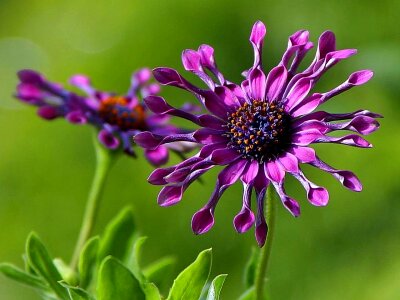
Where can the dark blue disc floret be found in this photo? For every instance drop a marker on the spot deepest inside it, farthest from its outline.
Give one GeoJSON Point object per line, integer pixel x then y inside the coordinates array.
{"type": "Point", "coordinates": [259, 131]}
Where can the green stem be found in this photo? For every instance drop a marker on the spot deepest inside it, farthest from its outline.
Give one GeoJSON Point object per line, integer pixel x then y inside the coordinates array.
{"type": "Point", "coordinates": [104, 159]}
{"type": "Point", "coordinates": [261, 271]}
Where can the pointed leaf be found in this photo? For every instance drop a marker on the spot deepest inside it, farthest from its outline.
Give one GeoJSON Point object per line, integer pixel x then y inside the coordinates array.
{"type": "Point", "coordinates": [251, 266]}
{"type": "Point", "coordinates": [117, 237]}
{"type": "Point", "coordinates": [41, 262]}
{"type": "Point", "coordinates": [151, 291]}
{"type": "Point", "coordinates": [248, 294]}
{"type": "Point", "coordinates": [28, 267]}
{"type": "Point", "coordinates": [190, 282]}
{"type": "Point", "coordinates": [215, 288]}
{"type": "Point", "coordinates": [87, 261]}
{"type": "Point", "coordinates": [160, 272]}
{"type": "Point", "coordinates": [134, 258]}
{"type": "Point", "coordinates": [19, 275]}
{"type": "Point", "coordinates": [117, 282]}
{"type": "Point", "coordinates": [76, 293]}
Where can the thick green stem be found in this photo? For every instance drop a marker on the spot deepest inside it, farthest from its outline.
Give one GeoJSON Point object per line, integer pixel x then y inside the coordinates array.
{"type": "Point", "coordinates": [104, 159]}
{"type": "Point", "coordinates": [261, 271]}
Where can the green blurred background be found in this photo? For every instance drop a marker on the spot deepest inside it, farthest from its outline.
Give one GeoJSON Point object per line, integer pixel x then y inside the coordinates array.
{"type": "Point", "coordinates": [347, 250]}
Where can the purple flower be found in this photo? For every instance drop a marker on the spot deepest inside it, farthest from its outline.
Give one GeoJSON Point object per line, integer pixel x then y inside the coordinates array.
{"type": "Point", "coordinates": [259, 130]}
{"type": "Point", "coordinates": [118, 118]}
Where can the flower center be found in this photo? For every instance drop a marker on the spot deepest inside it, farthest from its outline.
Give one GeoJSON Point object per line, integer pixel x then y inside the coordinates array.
{"type": "Point", "coordinates": [116, 111]}
{"type": "Point", "coordinates": [259, 131]}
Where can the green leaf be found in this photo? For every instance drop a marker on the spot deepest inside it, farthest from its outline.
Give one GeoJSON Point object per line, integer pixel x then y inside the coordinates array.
{"type": "Point", "coordinates": [251, 266]}
{"type": "Point", "coordinates": [19, 275]}
{"type": "Point", "coordinates": [133, 263]}
{"type": "Point", "coordinates": [190, 282]}
{"type": "Point", "coordinates": [28, 268]}
{"type": "Point", "coordinates": [66, 272]}
{"type": "Point", "coordinates": [215, 288]}
{"type": "Point", "coordinates": [151, 291]}
{"type": "Point", "coordinates": [87, 261]}
{"type": "Point", "coordinates": [118, 235]}
{"type": "Point", "coordinates": [117, 282]}
{"type": "Point", "coordinates": [248, 294]}
{"type": "Point", "coordinates": [160, 271]}
{"type": "Point", "coordinates": [76, 293]}
{"type": "Point", "coordinates": [41, 262]}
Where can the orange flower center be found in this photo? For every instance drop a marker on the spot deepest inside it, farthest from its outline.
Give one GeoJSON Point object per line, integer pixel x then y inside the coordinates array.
{"type": "Point", "coordinates": [115, 110]}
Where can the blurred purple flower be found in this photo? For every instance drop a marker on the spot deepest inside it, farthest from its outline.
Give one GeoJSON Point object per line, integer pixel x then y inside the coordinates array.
{"type": "Point", "coordinates": [118, 118]}
{"type": "Point", "coordinates": [260, 130]}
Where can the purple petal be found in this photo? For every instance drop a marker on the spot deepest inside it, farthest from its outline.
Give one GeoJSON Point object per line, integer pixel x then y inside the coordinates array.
{"type": "Point", "coordinates": [207, 60]}
{"type": "Point", "coordinates": [304, 154]}
{"type": "Point", "coordinates": [360, 124]}
{"type": "Point", "coordinates": [290, 204]}
{"type": "Point", "coordinates": [224, 156]}
{"type": "Point", "coordinates": [158, 156]}
{"type": "Point", "coordinates": [245, 218]}
{"type": "Point", "coordinates": [192, 62]}
{"type": "Point", "coordinates": [29, 92]}
{"type": "Point", "coordinates": [349, 180]}
{"type": "Point", "coordinates": [363, 125]}
{"type": "Point", "coordinates": [257, 81]}
{"type": "Point", "coordinates": [168, 76]}
{"type": "Point", "coordinates": [299, 91]}
{"type": "Point", "coordinates": [257, 39]}
{"type": "Point", "coordinates": [141, 76]}
{"type": "Point", "coordinates": [237, 91]}
{"type": "Point", "coordinates": [158, 105]}
{"type": "Point", "coordinates": [207, 56]}
{"type": "Point", "coordinates": [82, 82]}
{"type": "Point", "coordinates": [317, 195]}
{"type": "Point", "coordinates": [346, 178]}
{"type": "Point", "coordinates": [211, 122]}
{"type": "Point", "coordinates": [216, 105]}
{"type": "Point", "coordinates": [261, 181]}
{"type": "Point", "coordinates": [355, 79]}
{"type": "Point", "coordinates": [228, 98]}
{"type": "Point", "coordinates": [48, 112]}
{"type": "Point", "coordinates": [289, 162]}
{"type": "Point", "coordinates": [298, 45]}
{"type": "Point", "coordinates": [151, 141]}
{"type": "Point", "coordinates": [231, 173]}
{"type": "Point", "coordinates": [202, 221]}
{"type": "Point", "coordinates": [30, 76]}
{"type": "Point", "coordinates": [306, 137]}
{"type": "Point", "coordinates": [326, 44]}
{"type": "Point", "coordinates": [307, 105]}
{"type": "Point", "coordinates": [246, 90]}
{"type": "Point", "coordinates": [157, 176]}
{"type": "Point", "coordinates": [207, 136]}
{"type": "Point", "coordinates": [349, 140]}
{"type": "Point", "coordinates": [261, 226]}
{"type": "Point", "coordinates": [275, 82]}
{"type": "Point", "coordinates": [76, 117]}
{"type": "Point", "coordinates": [274, 171]}
{"type": "Point", "coordinates": [108, 139]}
{"type": "Point", "coordinates": [360, 77]}
{"type": "Point", "coordinates": [261, 233]}
{"type": "Point", "coordinates": [334, 57]}
{"type": "Point", "coordinates": [251, 171]}
{"type": "Point", "coordinates": [151, 89]}
{"type": "Point", "coordinates": [170, 195]}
